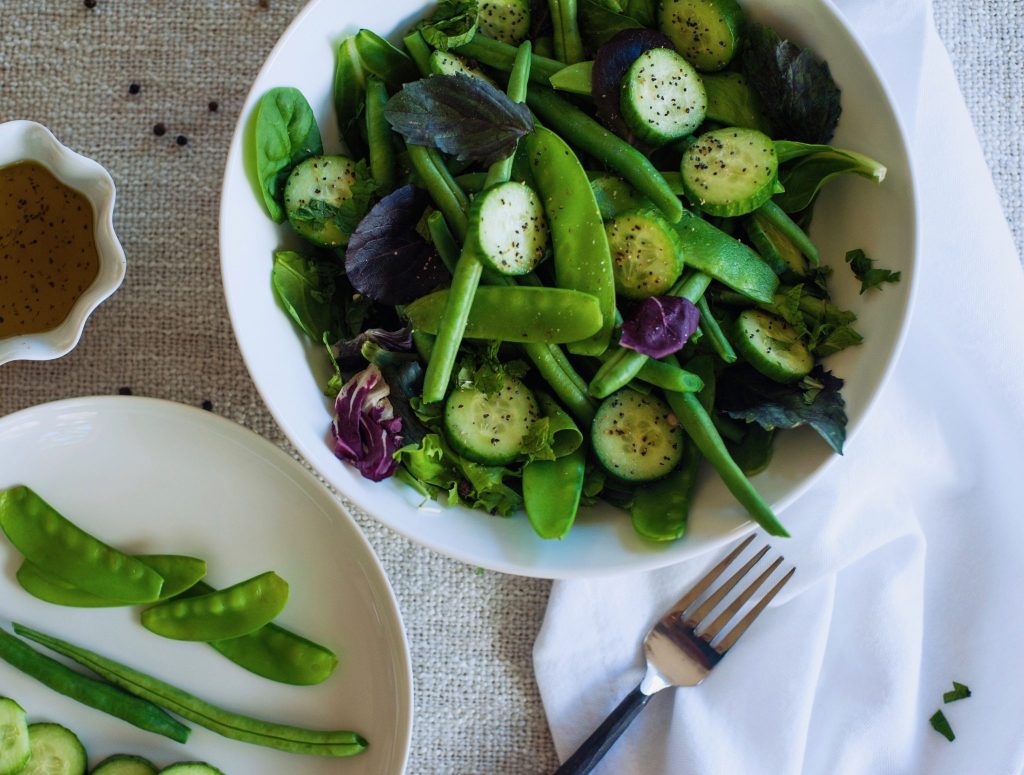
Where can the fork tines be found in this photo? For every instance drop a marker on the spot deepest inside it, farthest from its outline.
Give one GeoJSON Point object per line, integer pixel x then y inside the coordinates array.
{"type": "Point", "coordinates": [712, 631]}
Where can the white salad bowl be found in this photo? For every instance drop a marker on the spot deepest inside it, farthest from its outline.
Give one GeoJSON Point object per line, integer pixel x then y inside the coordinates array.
{"type": "Point", "coordinates": [290, 371]}
{"type": "Point", "coordinates": [29, 141]}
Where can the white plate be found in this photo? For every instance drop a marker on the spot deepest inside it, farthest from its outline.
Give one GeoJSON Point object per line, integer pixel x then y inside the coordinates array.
{"type": "Point", "coordinates": [289, 371]}
{"type": "Point", "coordinates": [157, 477]}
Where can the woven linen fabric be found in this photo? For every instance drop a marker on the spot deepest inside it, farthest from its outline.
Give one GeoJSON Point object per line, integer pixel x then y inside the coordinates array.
{"type": "Point", "coordinates": [166, 333]}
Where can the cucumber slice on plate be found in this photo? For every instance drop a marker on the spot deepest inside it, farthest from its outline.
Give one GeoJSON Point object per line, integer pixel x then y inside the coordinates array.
{"type": "Point", "coordinates": [645, 254]}
{"type": "Point", "coordinates": [123, 764]}
{"type": "Point", "coordinates": [191, 768]}
{"type": "Point", "coordinates": [313, 196]}
{"type": "Point", "coordinates": [663, 98]}
{"type": "Point", "coordinates": [55, 750]}
{"type": "Point", "coordinates": [14, 742]}
{"type": "Point", "coordinates": [730, 171]}
{"type": "Point", "coordinates": [510, 233]}
{"type": "Point", "coordinates": [636, 437]}
{"type": "Point", "coordinates": [706, 32]}
{"type": "Point", "coordinates": [505, 20]}
{"type": "Point", "coordinates": [772, 346]}
{"type": "Point", "coordinates": [490, 429]}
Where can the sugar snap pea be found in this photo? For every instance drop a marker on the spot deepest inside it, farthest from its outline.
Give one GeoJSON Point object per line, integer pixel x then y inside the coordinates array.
{"type": "Point", "coordinates": [384, 60]}
{"type": "Point", "coordinates": [419, 51]}
{"type": "Point", "coordinates": [218, 615]}
{"type": "Point", "coordinates": [349, 88]}
{"type": "Point", "coordinates": [551, 493]}
{"type": "Point", "coordinates": [563, 433]}
{"type": "Point", "coordinates": [568, 44]}
{"type": "Point", "coordinates": [232, 725]}
{"type": "Point", "coordinates": [660, 510]}
{"type": "Point", "coordinates": [66, 551]}
{"type": "Point", "coordinates": [439, 183]}
{"type": "Point", "coordinates": [89, 691]}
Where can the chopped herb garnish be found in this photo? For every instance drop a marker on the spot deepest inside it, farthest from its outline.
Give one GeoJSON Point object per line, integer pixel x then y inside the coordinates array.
{"type": "Point", "coordinates": [960, 692]}
{"type": "Point", "coordinates": [941, 725]}
{"type": "Point", "coordinates": [863, 268]}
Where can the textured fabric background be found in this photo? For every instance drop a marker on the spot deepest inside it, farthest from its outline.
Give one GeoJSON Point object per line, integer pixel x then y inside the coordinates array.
{"type": "Point", "coordinates": [166, 333]}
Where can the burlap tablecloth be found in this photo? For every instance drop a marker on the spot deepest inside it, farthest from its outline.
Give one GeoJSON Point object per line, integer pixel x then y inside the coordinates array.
{"type": "Point", "coordinates": [166, 333]}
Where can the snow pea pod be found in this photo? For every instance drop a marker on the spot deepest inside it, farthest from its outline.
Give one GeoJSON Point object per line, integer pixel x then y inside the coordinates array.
{"type": "Point", "coordinates": [228, 613]}
{"type": "Point", "coordinates": [551, 493]}
{"type": "Point", "coordinates": [379, 57]}
{"type": "Point", "coordinates": [563, 434]}
{"type": "Point", "coordinates": [661, 509]}
{"type": "Point", "coordinates": [349, 88]}
{"type": "Point", "coordinates": [583, 260]}
{"type": "Point", "coordinates": [514, 314]}
{"type": "Point", "coordinates": [179, 573]}
{"type": "Point", "coordinates": [66, 551]}
{"type": "Point", "coordinates": [275, 653]}
{"type": "Point", "coordinates": [594, 140]}
{"type": "Point", "coordinates": [383, 161]}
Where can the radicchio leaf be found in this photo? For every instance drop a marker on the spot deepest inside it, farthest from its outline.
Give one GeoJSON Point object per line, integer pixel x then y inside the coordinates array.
{"type": "Point", "coordinates": [611, 62]}
{"type": "Point", "coordinates": [661, 326]}
{"type": "Point", "coordinates": [349, 352]}
{"type": "Point", "coordinates": [386, 259]}
{"type": "Point", "coordinates": [366, 432]}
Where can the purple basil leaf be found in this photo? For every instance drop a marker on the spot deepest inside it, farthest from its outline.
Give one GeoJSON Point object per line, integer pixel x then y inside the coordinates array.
{"type": "Point", "coordinates": [611, 62]}
{"type": "Point", "coordinates": [661, 326]}
{"type": "Point", "coordinates": [386, 259]}
{"type": "Point", "coordinates": [466, 117]}
{"type": "Point", "coordinates": [349, 352]}
{"type": "Point", "coordinates": [366, 432]}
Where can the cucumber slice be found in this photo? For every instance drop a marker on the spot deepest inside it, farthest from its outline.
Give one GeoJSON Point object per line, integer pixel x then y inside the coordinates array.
{"type": "Point", "coordinates": [775, 248]}
{"type": "Point", "coordinates": [313, 195]}
{"type": "Point", "coordinates": [706, 32]}
{"type": "Point", "coordinates": [646, 254]}
{"type": "Point", "coordinates": [636, 437]}
{"type": "Point", "coordinates": [14, 741]}
{"type": "Point", "coordinates": [772, 346]}
{"type": "Point", "coordinates": [663, 98]}
{"type": "Point", "coordinates": [55, 750]}
{"type": "Point", "coordinates": [510, 233]}
{"type": "Point", "coordinates": [446, 63]}
{"type": "Point", "coordinates": [490, 429]}
{"type": "Point", "coordinates": [191, 768]}
{"type": "Point", "coordinates": [733, 102]}
{"type": "Point", "coordinates": [505, 20]}
{"type": "Point", "coordinates": [730, 171]}
{"type": "Point", "coordinates": [123, 764]}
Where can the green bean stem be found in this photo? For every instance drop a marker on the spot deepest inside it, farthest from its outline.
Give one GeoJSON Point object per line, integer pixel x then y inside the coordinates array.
{"type": "Point", "coordinates": [231, 725]}
{"type": "Point", "coordinates": [778, 217]}
{"type": "Point", "coordinates": [88, 691]}
{"type": "Point", "coordinates": [419, 51]}
{"type": "Point", "coordinates": [585, 133]}
{"type": "Point", "coordinates": [501, 171]}
{"type": "Point", "coordinates": [501, 56]}
{"type": "Point", "coordinates": [719, 342]}
{"type": "Point", "coordinates": [441, 186]}
{"type": "Point", "coordinates": [383, 161]}
{"type": "Point", "coordinates": [568, 44]}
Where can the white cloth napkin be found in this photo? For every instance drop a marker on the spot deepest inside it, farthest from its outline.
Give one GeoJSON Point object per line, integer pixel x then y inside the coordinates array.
{"type": "Point", "coordinates": [910, 554]}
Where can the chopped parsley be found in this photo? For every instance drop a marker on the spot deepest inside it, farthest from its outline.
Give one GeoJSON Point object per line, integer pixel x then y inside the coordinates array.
{"type": "Point", "coordinates": [960, 692]}
{"type": "Point", "coordinates": [940, 725]}
{"type": "Point", "coordinates": [865, 271]}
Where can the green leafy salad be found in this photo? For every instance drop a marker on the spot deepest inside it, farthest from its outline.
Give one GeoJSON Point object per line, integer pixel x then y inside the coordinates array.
{"type": "Point", "coordinates": [563, 254]}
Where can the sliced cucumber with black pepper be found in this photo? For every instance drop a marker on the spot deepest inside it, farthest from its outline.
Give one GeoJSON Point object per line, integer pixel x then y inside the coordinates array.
{"type": "Point", "coordinates": [315, 198]}
{"type": "Point", "coordinates": [772, 346]}
{"type": "Point", "coordinates": [636, 437]}
{"type": "Point", "coordinates": [646, 254]}
{"type": "Point", "coordinates": [730, 171]}
{"type": "Point", "coordinates": [706, 32]}
{"type": "Point", "coordinates": [663, 98]}
{"type": "Point", "coordinates": [124, 764]}
{"type": "Point", "coordinates": [490, 429]}
{"type": "Point", "coordinates": [14, 743]}
{"type": "Point", "coordinates": [775, 248]}
{"type": "Point", "coordinates": [509, 231]}
{"type": "Point", "coordinates": [446, 63]}
{"type": "Point", "coordinates": [505, 20]}
{"type": "Point", "coordinates": [54, 750]}
{"type": "Point", "coordinates": [191, 768]}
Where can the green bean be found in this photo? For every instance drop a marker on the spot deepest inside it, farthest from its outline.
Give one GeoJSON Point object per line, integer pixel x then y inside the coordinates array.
{"type": "Point", "coordinates": [501, 171]}
{"type": "Point", "coordinates": [379, 57]}
{"type": "Point", "coordinates": [566, 366]}
{"type": "Point", "coordinates": [513, 314]}
{"type": "Point", "coordinates": [719, 342]}
{"type": "Point", "coordinates": [275, 653]}
{"type": "Point", "coordinates": [568, 44]}
{"type": "Point", "coordinates": [419, 51]}
{"type": "Point", "coordinates": [623, 365]}
{"type": "Point", "coordinates": [668, 377]}
{"type": "Point", "coordinates": [551, 493]}
{"type": "Point", "coordinates": [443, 240]}
{"type": "Point", "coordinates": [661, 509]}
{"type": "Point", "coordinates": [231, 725]}
{"type": "Point", "coordinates": [593, 139]}
{"type": "Point", "coordinates": [501, 56]}
{"type": "Point", "coordinates": [219, 615]}
{"type": "Point", "coordinates": [383, 161]}
{"type": "Point", "coordinates": [441, 186]}
{"type": "Point", "coordinates": [89, 691]}
{"type": "Point", "coordinates": [179, 574]}
{"type": "Point", "coordinates": [577, 401]}
{"type": "Point", "coordinates": [699, 427]}
{"type": "Point", "coordinates": [781, 221]}
{"type": "Point", "coordinates": [66, 551]}
{"type": "Point", "coordinates": [349, 87]}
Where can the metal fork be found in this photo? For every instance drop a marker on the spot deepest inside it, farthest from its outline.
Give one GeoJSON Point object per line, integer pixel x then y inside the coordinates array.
{"type": "Point", "coordinates": [677, 655]}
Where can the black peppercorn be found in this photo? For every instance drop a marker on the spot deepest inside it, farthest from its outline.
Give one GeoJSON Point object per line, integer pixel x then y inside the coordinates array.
{"type": "Point", "coordinates": [90, 3]}
{"type": "Point", "coordinates": [181, 140]}
{"type": "Point", "coordinates": [213, 106]}
{"type": "Point", "coordinates": [134, 88]}
{"type": "Point", "coordinates": [159, 130]}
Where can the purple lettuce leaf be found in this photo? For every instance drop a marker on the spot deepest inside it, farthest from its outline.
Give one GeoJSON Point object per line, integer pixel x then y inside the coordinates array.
{"type": "Point", "coordinates": [661, 326]}
{"type": "Point", "coordinates": [366, 432]}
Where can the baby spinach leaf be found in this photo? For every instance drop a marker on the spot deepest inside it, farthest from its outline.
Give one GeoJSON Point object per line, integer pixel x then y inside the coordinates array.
{"type": "Point", "coordinates": [598, 24]}
{"type": "Point", "coordinates": [453, 24]}
{"type": "Point", "coordinates": [804, 179]}
{"type": "Point", "coordinates": [305, 293]}
{"type": "Point", "coordinates": [466, 117]}
{"type": "Point", "coordinates": [386, 259]}
{"type": "Point", "coordinates": [746, 395]}
{"type": "Point", "coordinates": [865, 271]}
{"type": "Point", "coordinates": [753, 452]}
{"type": "Point", "coordinates": [797, 92]}
{"type": "Point", "coordinates": [285, 133]}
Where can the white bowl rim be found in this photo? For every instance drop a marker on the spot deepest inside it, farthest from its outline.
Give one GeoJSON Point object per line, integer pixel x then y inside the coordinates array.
{"type": "Point", "coordinates": [655, 560]}
{"type": "Point", "coordinates": [89, 178]}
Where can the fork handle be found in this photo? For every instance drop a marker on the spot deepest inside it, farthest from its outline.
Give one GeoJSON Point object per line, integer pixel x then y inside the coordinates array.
{"type": "Point", "coordinates": [603, 738]}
